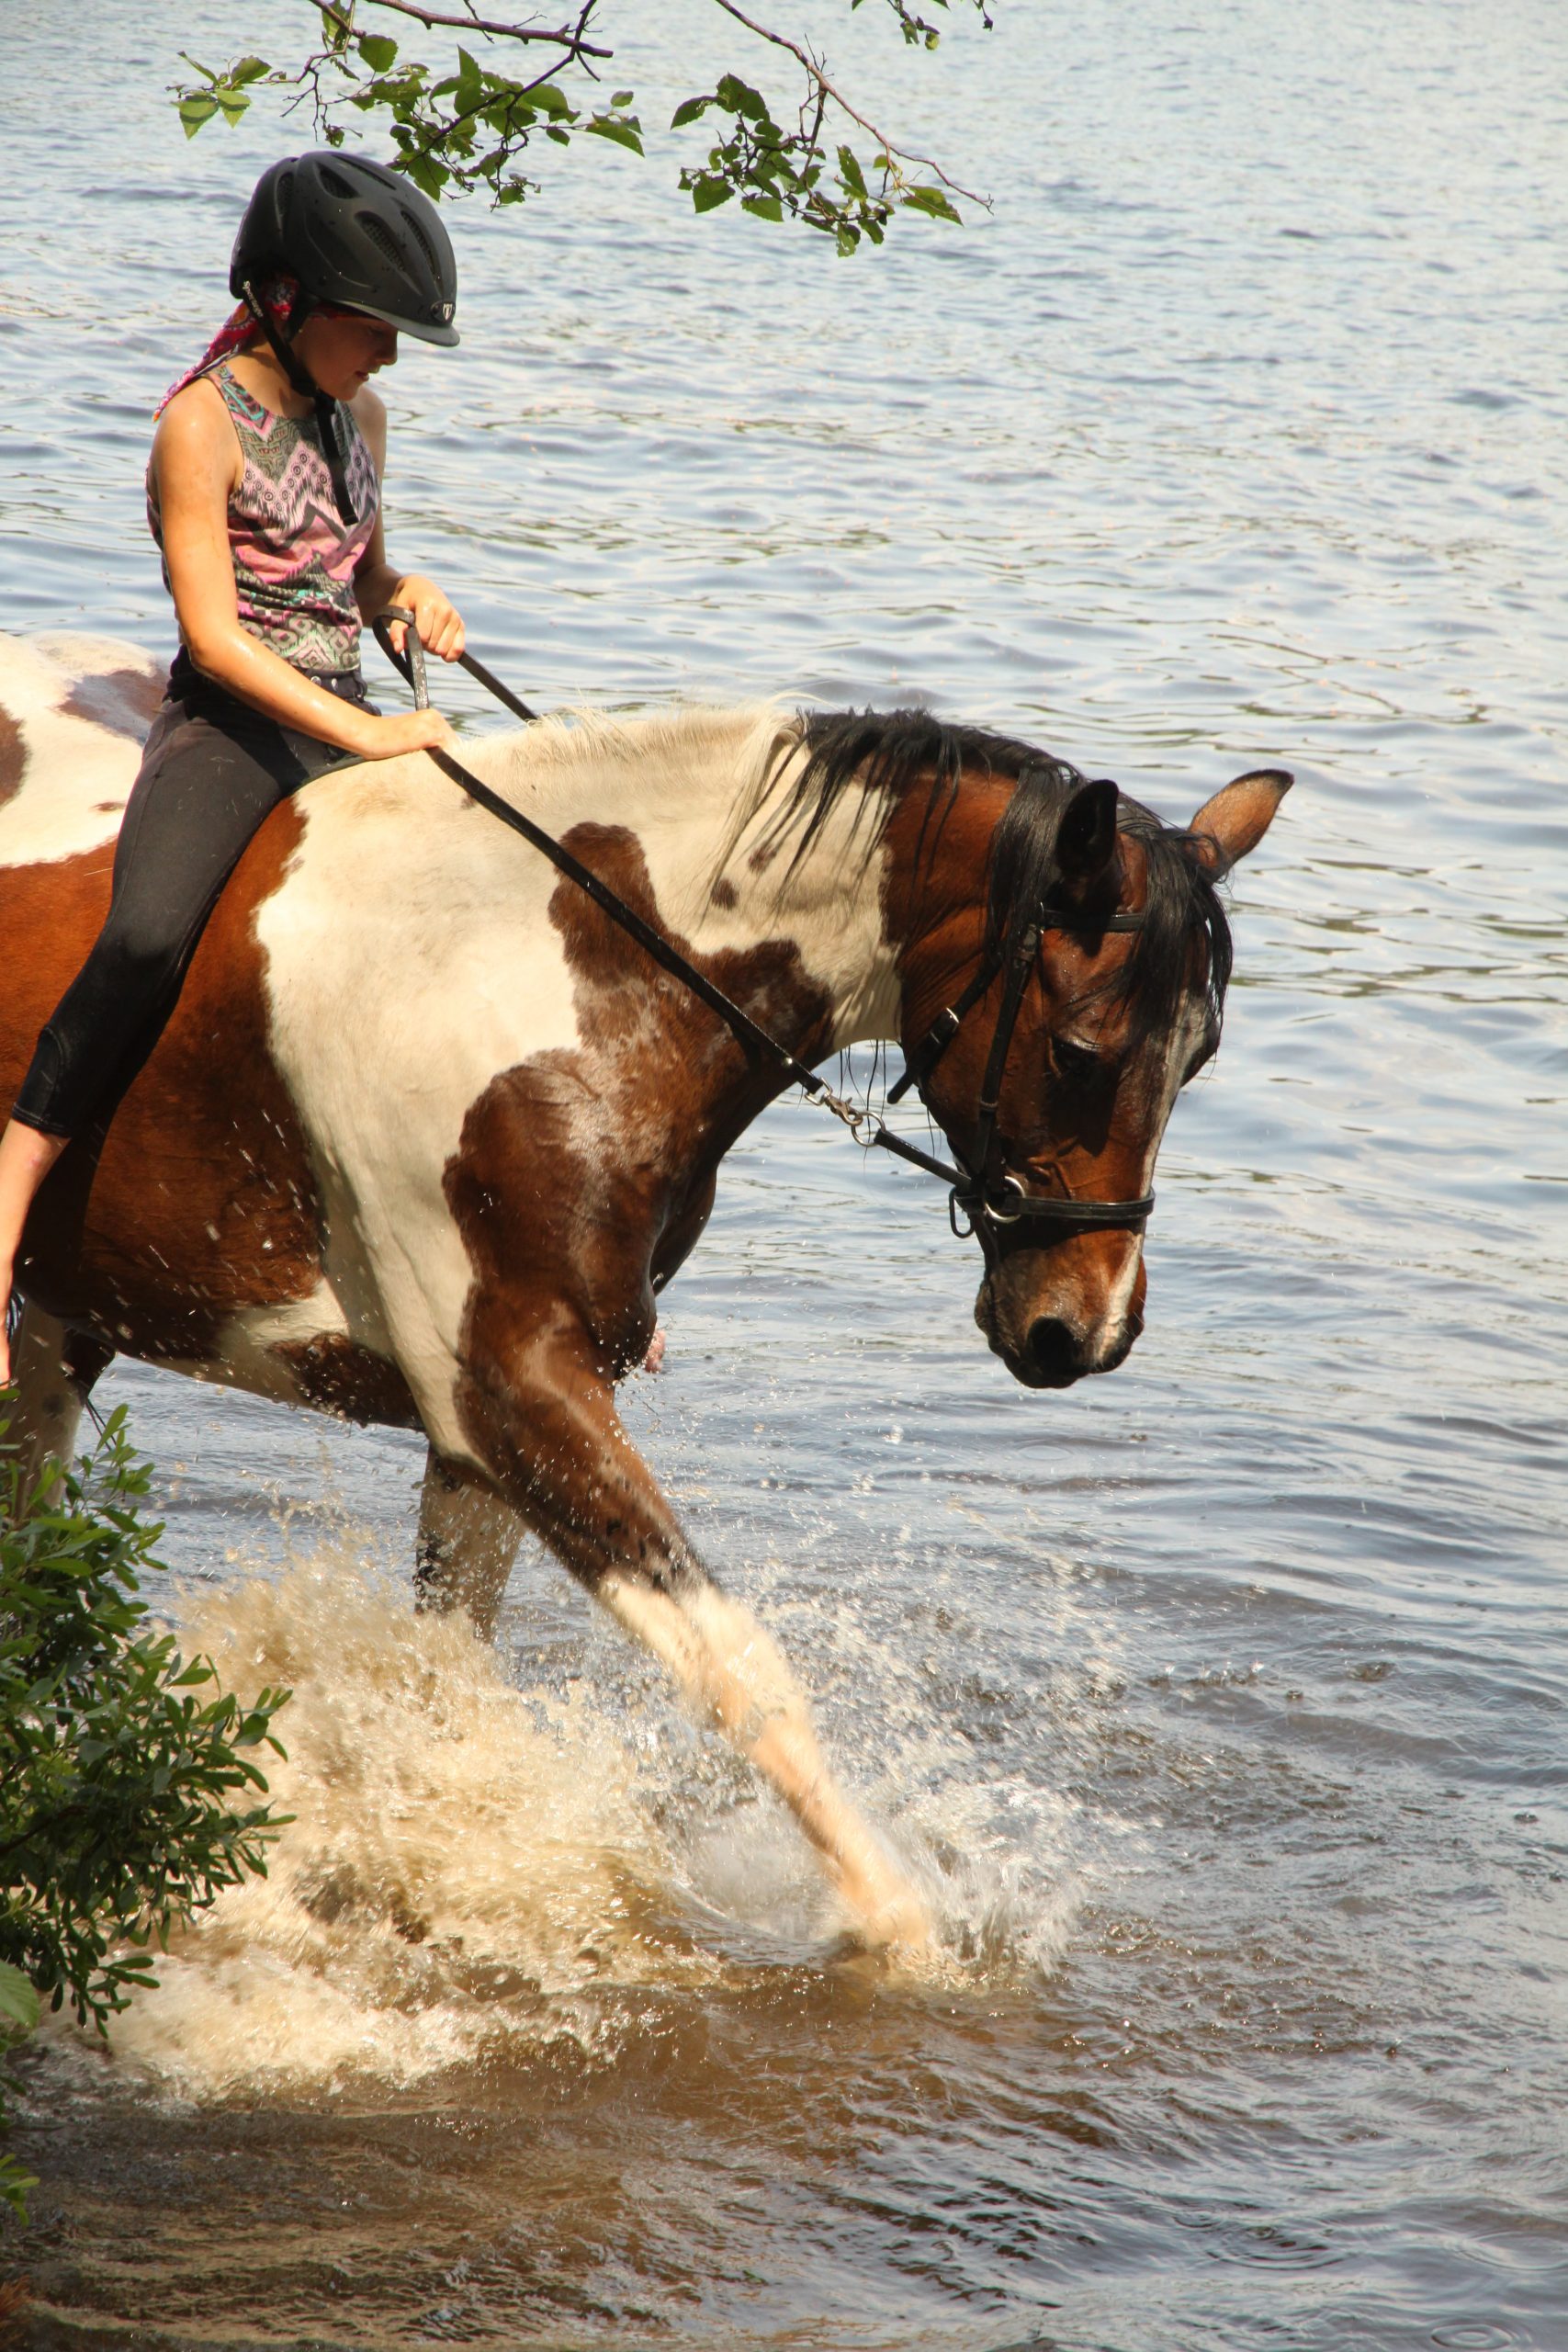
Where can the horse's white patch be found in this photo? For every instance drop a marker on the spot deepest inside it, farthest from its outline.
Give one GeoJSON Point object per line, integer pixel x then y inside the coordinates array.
{"type": "Point", "coordinates": [397, 1001]}
{"type": "Point", "coordinates": [732, 1672]}
{"type": "Point", "coordinates": [77, 774]}
{"type": "Point", "coordinates": [1113, 1321]}
{"type": "Point", "coordinates": [245, 1358]}
{"type": "Point", "coordinates": [1166, 1085]}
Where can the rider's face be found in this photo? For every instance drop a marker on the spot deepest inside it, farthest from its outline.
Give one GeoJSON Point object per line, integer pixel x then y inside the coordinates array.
{"type": "Point", "coordinates": [343, 349]}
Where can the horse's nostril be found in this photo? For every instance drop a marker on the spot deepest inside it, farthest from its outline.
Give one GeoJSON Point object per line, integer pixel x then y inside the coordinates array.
{"type": "Point", "coordinates": [1053, 1352]}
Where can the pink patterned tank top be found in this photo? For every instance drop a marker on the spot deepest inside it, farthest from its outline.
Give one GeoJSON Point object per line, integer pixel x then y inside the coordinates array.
{"type": "Point", "coordinates": [293, 554]}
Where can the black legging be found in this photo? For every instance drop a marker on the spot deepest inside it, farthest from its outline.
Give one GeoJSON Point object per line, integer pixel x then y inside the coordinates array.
{"type": "Point", "coordinates": [211, 771]}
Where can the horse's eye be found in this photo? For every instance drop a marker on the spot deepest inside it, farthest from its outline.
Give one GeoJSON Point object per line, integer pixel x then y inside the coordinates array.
{"type": "Point", "coordinates": [1076, 1060]}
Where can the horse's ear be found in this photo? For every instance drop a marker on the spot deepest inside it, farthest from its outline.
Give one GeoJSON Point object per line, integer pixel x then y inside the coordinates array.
{"type": "Point", "coordinates": [1237, 816]}
{"type": "Point", "coordinates": [1086, 837]}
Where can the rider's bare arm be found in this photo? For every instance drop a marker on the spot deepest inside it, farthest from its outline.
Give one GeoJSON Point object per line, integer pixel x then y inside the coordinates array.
{"type": "Point", "coordinates": [377, 582]}
{"type": "Point", "coordinates": [197, 464]}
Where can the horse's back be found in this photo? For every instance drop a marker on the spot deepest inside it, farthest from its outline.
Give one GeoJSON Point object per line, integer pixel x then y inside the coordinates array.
{"type": "Point", "coordinates": [74, 712]}
{"type": "Point", "coordinates": [198, 1202]}
{"type": "Point", "coordinates": [73, 715]}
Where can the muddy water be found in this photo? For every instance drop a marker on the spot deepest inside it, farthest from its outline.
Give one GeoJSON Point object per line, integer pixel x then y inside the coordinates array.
{"type": "Point", "coordinates": [1220, 1704]}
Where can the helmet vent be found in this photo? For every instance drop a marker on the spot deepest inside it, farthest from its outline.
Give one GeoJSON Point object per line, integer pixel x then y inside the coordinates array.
{"type": "Point", "coordinates": [335, 184]}
{"type": "Point", "coordinates": [381, 237]}
{"type": "Point", "coordinates": [415, 227]}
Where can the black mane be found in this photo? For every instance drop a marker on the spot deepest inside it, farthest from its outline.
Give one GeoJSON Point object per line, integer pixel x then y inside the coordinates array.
{"type": "Point", "coordinates": [877, 758]}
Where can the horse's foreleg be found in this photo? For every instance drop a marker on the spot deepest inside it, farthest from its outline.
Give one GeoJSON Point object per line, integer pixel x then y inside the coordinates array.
{"type": "Point", "coordinates": [468, 1541]}
{"type": "Point", "coordinates": [55, 1369]}
{"type": "Point", "coordinates": [558, 1448]}
{"type": "Point", "coordinates": [732, 1672]}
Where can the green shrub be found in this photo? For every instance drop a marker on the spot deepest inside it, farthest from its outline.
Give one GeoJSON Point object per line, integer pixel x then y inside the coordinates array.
{"type": "Point", "coordinates": [126, 1803]}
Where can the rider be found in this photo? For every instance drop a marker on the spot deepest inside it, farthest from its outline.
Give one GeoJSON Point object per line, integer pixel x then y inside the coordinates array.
{"type": "Point", "coordinates": [264, 496]}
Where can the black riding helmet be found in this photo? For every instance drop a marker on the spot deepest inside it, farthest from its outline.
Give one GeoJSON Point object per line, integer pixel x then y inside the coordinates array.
{"type": "Point", "coordinates": [351, 232]}
{"type": "Point", "coordinates": [348, 232]}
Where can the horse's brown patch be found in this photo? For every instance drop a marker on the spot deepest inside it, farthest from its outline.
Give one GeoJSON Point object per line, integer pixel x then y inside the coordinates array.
{"type": "Point", "coordinates": [125, 701]}
{"type": "Point", "coordinates": [12, 757]}
{"type": "Point", "coordinates": [199, 1201]}
{"type": "Point", "coordinates": [338, 1376]}
{"type": "Point", "coordinates": [585, 1175]}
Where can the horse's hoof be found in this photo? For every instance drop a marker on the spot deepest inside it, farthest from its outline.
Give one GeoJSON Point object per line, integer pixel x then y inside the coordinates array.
{"type": "Point", "coordinates": [900, 1925]}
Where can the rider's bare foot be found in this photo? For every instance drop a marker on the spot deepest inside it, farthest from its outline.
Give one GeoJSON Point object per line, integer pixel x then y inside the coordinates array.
{"type": "Point", "coordinates": [655, 1355]}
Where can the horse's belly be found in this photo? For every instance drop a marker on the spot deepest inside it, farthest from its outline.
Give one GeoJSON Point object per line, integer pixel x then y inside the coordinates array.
{"type": "Point", "coordinates": [303, 1354]}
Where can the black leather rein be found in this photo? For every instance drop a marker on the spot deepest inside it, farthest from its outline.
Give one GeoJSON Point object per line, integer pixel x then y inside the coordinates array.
{"type": "Point", "coordinates": [988, 1194]}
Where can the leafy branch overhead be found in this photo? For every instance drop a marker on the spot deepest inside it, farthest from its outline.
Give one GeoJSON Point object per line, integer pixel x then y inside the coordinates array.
{"type": "Point", "coordinates": [466, 118]}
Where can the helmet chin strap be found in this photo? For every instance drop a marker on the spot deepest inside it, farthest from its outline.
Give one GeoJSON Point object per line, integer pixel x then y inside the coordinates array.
{"type": "Point", "coordinates": [305, 384]}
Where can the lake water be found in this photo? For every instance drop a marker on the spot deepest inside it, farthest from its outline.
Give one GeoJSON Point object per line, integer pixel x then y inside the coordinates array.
{"type": "Point", "coordinates": [1222, 1700]}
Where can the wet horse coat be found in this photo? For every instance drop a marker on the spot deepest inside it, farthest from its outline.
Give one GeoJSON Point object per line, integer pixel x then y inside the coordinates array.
{"type": "Point", "coordinates": [427, 1132]}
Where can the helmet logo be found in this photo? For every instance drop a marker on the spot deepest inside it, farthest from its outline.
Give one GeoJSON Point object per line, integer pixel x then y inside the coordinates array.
{"type": "Point", "coordinates": [447, 310]}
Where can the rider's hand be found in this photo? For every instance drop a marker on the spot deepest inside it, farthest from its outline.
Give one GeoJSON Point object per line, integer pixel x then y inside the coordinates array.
{"type": "Point", "coordinates": [438, 623]}
{"type": "Point", "coordinates": [405, 730]}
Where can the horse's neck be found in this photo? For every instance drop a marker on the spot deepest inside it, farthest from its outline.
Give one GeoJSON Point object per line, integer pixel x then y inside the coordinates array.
{"type": "Point", "coordinates": [718, 885]}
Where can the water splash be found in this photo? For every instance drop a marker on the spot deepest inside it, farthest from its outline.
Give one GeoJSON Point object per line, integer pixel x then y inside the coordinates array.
{"type": "Point", "coordinates": [471, 1870]}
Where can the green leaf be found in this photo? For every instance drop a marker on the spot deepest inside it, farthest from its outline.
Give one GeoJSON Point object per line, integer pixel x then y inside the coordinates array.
{"type": "Point", "coordinates": [708, 193]}
{"type": "Point", "coordinates": [689, 110]}
{"type": "Point", "coordinates": [624, 129]}
{"type": "Point", "coordinates": [933, 201]}
{"type": "Point", "coordinates": [233, 104]}
{"type": "Point", "coordinates": [623, 97]}
{"type": "Point", "coordinates": [737, 96]}
{"type": "Point", "coordinates": [851, 173]}
{"type": "Point", "coordinates": [197, 109]}
{"type": "Point", "coordinates": [378, 51]}
{"type": "Point", "coordinates": [427, 175]}
{"type": "Point", "coordinates": [18, 2000]}
{"type": "Point", "coordinates": [253, 69]}
{"type": "Point", "coordinates": [468, 87]}
{"type": "Point", "coordinates": [766, 208]}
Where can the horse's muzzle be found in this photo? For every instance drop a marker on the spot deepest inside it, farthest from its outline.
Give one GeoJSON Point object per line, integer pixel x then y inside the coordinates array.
{"type": "Point", "coordinates": [1048, 1350]}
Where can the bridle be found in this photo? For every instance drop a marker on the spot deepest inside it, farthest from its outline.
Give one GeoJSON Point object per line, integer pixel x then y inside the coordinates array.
{"type": "Point", "coordinates": [987, 1194]}
{"type": "Point", "coordinates": [985, 1191]}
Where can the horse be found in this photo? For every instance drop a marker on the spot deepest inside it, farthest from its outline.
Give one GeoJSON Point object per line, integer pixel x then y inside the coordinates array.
{"type": "Point", "coordinates": [427, 1132]}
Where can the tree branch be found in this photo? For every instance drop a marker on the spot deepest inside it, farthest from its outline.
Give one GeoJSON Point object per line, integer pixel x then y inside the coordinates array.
{"type": "Point", "coordinates": [565, 37]}
{"type": "Point", "coordinates": [780, 41]}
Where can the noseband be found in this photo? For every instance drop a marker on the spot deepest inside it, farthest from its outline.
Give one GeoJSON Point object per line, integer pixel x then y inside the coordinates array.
{"type": "Point", "coordinates": [986, 1193]}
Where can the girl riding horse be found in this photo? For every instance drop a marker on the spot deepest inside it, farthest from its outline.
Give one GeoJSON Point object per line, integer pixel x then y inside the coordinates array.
{"type": "Point", "coordinates": [264, 497]}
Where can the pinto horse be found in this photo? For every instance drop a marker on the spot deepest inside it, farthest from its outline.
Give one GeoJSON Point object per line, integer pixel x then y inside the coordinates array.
{"type": "Point", "coordinates": [426, 1133]}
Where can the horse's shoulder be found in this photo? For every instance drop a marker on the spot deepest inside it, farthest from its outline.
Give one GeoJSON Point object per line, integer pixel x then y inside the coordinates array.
{"type": "Point", "coordinates": [74, 711]}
